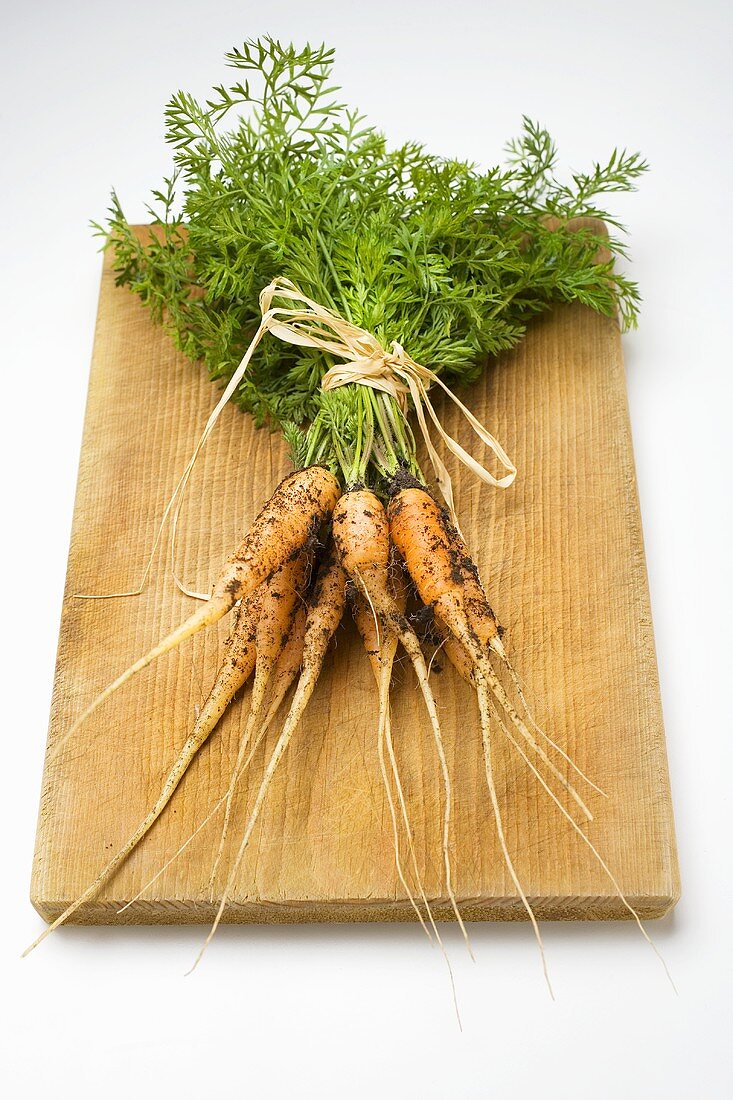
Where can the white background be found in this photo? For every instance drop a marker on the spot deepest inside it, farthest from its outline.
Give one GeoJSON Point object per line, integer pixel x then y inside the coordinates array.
{"type": "Point", "coordinates": [364, 1011]}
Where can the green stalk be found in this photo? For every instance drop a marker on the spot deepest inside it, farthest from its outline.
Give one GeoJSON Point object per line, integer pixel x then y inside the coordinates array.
{"type": "Point", "coordinates": [386, 438]}
{"type": "Point", "coordinates": [367, 409]}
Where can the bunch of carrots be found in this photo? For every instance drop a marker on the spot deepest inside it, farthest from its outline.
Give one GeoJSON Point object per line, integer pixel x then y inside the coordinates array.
{"type": "Point", "coordinates": [361, 249]}
{"type": "Point", "coordinates": [313, 548]}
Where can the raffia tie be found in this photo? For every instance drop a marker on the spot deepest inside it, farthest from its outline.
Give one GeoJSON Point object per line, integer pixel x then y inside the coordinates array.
{"type": "Point", "coordinates": [363, 361]}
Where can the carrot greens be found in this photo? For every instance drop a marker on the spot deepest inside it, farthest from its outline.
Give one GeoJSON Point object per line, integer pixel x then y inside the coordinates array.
{"type": "Point", "coordinates": [274, 176]}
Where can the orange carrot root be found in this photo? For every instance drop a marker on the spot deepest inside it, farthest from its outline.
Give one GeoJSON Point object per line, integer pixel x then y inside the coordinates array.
{"type": "Point", "coordinates": [236, 669]}
{"type": "Point", "coordinates": [435, 560]}
{"type": "Point", "coordinates": [281, 596]}
{"type": "Point", "coordinates": [324, 616]}
{"type": "Point", "coordinates": [447, 580]}
{"type": "Point", "coordinates": [286, 670]}
{"type": "Point", "coordinates": [286, 522]}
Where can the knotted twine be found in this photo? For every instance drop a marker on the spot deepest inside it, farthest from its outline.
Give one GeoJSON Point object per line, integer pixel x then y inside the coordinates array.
{"type": "Point", "coordinates": [363, 361]}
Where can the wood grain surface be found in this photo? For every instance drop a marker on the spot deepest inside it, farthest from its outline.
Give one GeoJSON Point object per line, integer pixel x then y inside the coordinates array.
{"type": "Point", "coordinates": [562, 556]}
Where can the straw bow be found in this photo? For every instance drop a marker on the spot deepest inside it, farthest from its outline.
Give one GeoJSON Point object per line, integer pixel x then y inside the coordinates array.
{"type": "Point", "coordinates": [363, 361]}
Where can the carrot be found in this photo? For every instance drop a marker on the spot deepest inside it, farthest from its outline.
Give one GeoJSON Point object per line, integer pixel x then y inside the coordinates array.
{"type": "Point", "coordinates": [286, 670]}
{"type": "Point", "coordinates": [281, 596]}
{"type": "Point", "coordinates": [322, 621]}
{"type": "Point", "coordinates": [419, 532]}
{"type": "Point", "coordinates": [234, 672]}
{"type": "Point", "coordinates": [290, 517]}
{"type": "Point", "coordinates": [361, 536]}
{"type": "Point", "coordinates": [440, 565]}
{"type": "Point", "coordinates": [447, 580]}
{"type": "Point", "coordinates": [436, 560]}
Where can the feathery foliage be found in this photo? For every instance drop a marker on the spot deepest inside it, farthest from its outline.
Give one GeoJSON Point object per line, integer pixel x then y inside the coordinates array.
{"type": "Point", "coordinates": [274, 176]}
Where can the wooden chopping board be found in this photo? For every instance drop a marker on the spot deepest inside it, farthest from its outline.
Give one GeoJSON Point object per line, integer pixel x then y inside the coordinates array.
{"type": "Point", "coordinates": [562, 555]}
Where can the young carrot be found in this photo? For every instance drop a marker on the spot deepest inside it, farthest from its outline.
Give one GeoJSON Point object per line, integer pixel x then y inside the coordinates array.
{"type": "Point", "coordinates": [287, 521]}
{"type": "Point", "coordinates": [235, 670]}
{"type": "Point", "coordinates": [439, 566]}
{"type": "Point", "coordinates": [361, 536]}
{"type": "Point", "coordinates": [447, 580]}
{"type": "Point", "coordinates": [434, 564]}
{"type": "Point", "coordinates": [286, 670]}
{"type": "Point", "coordinates": [281, 596]}
{"type": "Point", "coordinates": [324, 615]}
{"type": "Point", "coordinates": [418, 528]}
